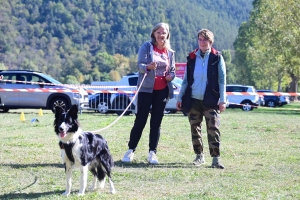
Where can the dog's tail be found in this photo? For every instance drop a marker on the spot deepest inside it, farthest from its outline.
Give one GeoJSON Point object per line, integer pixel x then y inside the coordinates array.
{"type": "Point", "coordinates": [107, 163]}
{"type": "Point", "coordinates": [106, 159]}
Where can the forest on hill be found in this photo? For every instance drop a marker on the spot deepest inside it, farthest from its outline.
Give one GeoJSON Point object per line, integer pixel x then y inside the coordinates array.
{"type": "Point", "coordinates": [91, 40]}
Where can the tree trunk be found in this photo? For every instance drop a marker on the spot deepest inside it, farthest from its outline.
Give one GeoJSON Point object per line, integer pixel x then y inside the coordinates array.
{"type": "Point", "coordinates": [294, 83]}
{"type": "Point", "coordinates": [279, 89]}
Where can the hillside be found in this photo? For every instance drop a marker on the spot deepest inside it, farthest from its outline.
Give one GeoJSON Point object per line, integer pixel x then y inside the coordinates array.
{"type": "Point", "coordinates": [66, 38]}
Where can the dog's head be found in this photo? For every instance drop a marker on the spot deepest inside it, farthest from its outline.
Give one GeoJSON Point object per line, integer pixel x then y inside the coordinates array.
{"type": "Point", "coordinates": [66, 122]}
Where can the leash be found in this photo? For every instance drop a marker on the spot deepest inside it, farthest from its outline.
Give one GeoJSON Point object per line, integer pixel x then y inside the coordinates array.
{"type": "Point", "coordinates": [102, 129]}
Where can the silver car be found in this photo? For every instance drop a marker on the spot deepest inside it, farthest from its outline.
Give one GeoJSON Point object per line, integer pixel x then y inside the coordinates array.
{"type": "Point", "coordinates": [31, 89]}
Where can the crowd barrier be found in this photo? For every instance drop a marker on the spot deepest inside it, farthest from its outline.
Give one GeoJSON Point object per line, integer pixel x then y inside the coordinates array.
{"type": "Point", "coordinates": [110, 98]}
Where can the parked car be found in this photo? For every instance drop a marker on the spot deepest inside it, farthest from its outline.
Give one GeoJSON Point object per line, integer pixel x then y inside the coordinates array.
{"type": "Point", "coordinates": [273, 100]}
{"type": "Point", "coordinates": [100, 102]}
{"type": "Point", "coordinates": [285, 100]}
{"type": "Point", "coordinates": [171, 105]}
{"type": "Point", "coordinates": [245, 102]}
{"type": "Point", "coordinates": [117, 102]}
{"type": "Point", "coordinates": [15, 86]}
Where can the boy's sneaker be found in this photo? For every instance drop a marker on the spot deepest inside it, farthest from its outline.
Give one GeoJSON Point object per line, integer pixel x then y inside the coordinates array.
{"type": "Point", "coordinates": [199, 160]}
{"type": "Point", "coordinates": [152, 158]}
{"type": "Point", "coordinates": [216, 163]}
{"type": "Point", "coordinates": [128, 157]}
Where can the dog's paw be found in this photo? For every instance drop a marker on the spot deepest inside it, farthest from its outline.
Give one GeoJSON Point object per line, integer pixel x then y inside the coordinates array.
{"type": "Point", "coordinates": [113, 191]}
{"type": "Point", "coordinates": [102, 184]}
{"type": "Point", "coordinates": [80, 194]}
{"type": "Point", "coordinates": [92, 188]}
{"type": "Point", "coordinates": [66, 193]}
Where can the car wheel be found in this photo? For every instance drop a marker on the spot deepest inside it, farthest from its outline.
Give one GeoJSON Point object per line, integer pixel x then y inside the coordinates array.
{"type": "Point", "coordinates": [4, 110]}
{"type": "Point", "coordinates": [103, 107]}
{"type": "Point", "coordinates": [247, 106]}
{"type": "Point", "coordinates": [271, 104]}
{"type": "Point", "coordinates": [59, 101]}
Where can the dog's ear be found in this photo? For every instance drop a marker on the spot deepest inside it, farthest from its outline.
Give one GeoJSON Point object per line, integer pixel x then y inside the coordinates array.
{"type": "Point", "coordinates": [73, 111]}
{"type": "Point", "coordinates": [58, 110]}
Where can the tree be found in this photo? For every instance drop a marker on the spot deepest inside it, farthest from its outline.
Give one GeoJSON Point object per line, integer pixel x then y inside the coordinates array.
{"type": "Point", "coordinates": [121, 64]}
{"type": "Point", "coordinates": [241, 45]}
{"type": "Point", "coordinates": [114, 75]}
{"type": "Point", "coordinates": [133, 63]}
{"type": "Point", "coordinates": [71, 80]}
{"type": "Point", "coordinates": [2, 67]}
{"type": "Point", "coordinates": [268, 44]}
{"type": "Point", "coordinates": [230, 67]}
{"type": "Point", "coordinates": [95, 75]}
{"type": "Point", "coordinates": [104, 62]}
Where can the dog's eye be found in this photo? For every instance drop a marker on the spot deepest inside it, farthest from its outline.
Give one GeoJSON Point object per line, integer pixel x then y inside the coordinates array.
{"type": "Point", "coordinates": [69, 120]}
{"type": "Point", "coordinates": [59, 120]}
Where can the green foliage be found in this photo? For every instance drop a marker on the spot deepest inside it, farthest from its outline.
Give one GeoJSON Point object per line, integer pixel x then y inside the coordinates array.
{"type": "Point", "coordinates": [105, 76]}
{"type": "Point", "coordinates": [71, 80]}
{"type": "Point", "coordinates": [57, 37]}
{"type": "Point", "coordinates": [121, 64]}
{"type": "Point", "coordinates": [104, 62]}
{"type": "Point", "coordinates": [227, 56]}
{"type": "Point", "coordinates": [267, 46]}
{"type": "Point", "coordinates": [114, 75]}
{"type": "Point", "coordinates": [2, 66]}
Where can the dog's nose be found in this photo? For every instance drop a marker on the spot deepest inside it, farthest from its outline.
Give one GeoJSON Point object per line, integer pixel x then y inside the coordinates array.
{"type": "Point", "coordinates": [60, 129]}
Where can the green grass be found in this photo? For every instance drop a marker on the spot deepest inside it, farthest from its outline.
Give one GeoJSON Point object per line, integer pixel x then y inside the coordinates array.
{"type": "Point", "coordinates": [260, 150]}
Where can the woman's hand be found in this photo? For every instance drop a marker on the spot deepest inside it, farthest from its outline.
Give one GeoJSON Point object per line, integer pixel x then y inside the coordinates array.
{"type": "Point", "coordinates": [169, 78]}
{"type": "Point", "coordinates": [152, 66]}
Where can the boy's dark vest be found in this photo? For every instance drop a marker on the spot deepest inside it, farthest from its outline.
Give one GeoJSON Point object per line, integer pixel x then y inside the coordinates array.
{"type": "Point", "coordinates": [212, 91]}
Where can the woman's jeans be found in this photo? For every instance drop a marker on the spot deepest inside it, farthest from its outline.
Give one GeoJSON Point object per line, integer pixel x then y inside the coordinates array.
{"type": "Point", "coordinates": [146, 102]}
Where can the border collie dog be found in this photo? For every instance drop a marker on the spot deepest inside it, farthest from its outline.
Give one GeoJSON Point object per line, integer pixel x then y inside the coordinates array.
{"type": "Point", "coordinates": [83, 150]}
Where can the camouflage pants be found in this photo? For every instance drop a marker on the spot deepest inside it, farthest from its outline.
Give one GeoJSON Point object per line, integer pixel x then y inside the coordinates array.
{"type": "Point", "coordinates": [212, 118]}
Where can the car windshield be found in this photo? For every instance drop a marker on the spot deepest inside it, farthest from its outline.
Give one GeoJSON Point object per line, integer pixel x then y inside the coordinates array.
{"type": "Point", "coordinates": [49, 78]}
{"type": "Point", "coordinates": [264, 91]}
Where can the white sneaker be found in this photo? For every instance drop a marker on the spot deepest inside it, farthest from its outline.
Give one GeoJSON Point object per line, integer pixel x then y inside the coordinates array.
{"type": "Point", "coordinates": [152, 158]}
{"type": "Point", "coordinates": [199, 160]}
{"type": "Point", "coordinates": [128, 157]}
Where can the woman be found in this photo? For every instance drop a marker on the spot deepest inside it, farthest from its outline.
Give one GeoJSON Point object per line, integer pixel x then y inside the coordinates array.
{"type": "Point", "coordinates": [204, 87]}
{"type": "Point", "coordinates": [156, 61]}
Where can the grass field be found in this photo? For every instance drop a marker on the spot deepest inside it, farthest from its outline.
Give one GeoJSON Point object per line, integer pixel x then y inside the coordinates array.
{"type": "Point", "coordinates": [260, 150]}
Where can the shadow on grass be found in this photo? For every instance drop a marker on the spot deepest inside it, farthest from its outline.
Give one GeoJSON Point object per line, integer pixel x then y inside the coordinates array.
{"type": "Point", "coordinates": [16, 195]}
{"type": "Point", "coordinates": [161, 165]}
{"type": "Point", "coordinates": [278, 112]}
{"type": "Point", "coordinates": [26, 112]}
{"type": "Point", "coordinates": [19, 166]}
{"type": "Point", "coordinates": [117, 164]}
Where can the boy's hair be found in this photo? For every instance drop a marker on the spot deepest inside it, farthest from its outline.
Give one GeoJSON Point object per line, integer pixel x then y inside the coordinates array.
{"type": "Point", "coordinates": [207, 34]}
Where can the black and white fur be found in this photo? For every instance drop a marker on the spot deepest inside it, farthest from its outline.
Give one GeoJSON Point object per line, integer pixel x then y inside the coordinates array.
{"type": "Point", "coordinates": [83, 150]}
